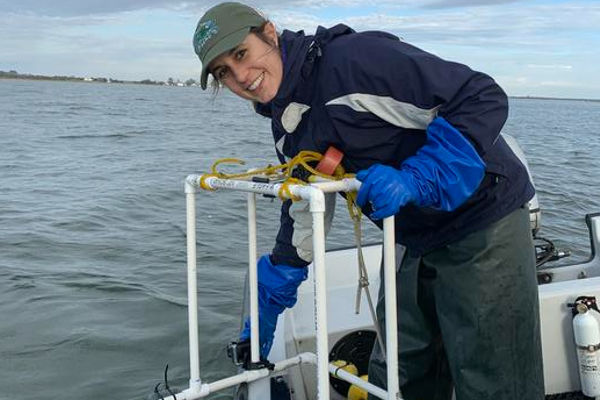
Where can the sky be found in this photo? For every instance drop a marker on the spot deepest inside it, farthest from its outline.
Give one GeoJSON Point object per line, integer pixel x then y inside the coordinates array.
{"type": "Point", "coordinates": [547, 48]}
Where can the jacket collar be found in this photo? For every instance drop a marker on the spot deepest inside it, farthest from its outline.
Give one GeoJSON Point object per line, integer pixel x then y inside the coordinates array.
{"type": "Point", "coordinates": [299, 54]}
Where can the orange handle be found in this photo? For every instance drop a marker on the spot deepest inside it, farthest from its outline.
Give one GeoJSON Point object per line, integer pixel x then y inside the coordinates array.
{"type": "Point", "coordinates": [331, 159]}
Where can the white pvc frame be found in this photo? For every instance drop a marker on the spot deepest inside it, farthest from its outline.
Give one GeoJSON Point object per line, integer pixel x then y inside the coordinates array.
{"type": "Point", "coordinates": [314, 193]}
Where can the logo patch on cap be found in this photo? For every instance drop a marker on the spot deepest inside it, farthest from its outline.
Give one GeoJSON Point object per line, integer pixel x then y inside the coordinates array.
{"type": "Point", "coordinates": [204, 32]}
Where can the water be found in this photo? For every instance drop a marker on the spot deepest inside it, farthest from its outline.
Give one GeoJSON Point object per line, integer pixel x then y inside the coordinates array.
{"type": "Point", "coordinates": [92, 227]}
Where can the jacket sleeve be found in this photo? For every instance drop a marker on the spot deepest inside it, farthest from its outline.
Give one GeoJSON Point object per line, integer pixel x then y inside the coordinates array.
{"type": "Point", "coordinates": [293, 245]}
{"type": "Point", "coordinates": [384, 79]}
{"type": "Point", "coordinates": [284, 252]}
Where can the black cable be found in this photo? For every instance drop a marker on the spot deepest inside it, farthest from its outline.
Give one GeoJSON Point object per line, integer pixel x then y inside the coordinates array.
{"type": "Point", "coordinates": [167, 383]}
{"type": "Point", "coordinates": [156, 391]}
{"type": "Point", "coordinates": [548, 251]}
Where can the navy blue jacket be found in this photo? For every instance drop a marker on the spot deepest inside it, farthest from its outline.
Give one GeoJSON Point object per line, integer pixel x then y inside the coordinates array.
{"type": "Point", "coordinates": [372, 96]}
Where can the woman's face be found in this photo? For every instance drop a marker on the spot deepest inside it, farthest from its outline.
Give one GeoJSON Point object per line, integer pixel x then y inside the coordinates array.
{"type": "Point", "coordinates": [253, 70]}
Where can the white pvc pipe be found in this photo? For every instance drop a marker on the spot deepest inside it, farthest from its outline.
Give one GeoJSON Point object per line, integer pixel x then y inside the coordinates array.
{"type": "Point", "coordinates": [192, 286]}
{"type": "Point", "coordinates": [317, 204]}
{"type": "Point", "coordinates": [250, 376]}
{"type": "Point", "coordinates": [246, 376]}
{"type": "Point", "coordinates": [273, 189]}
{"type": "Point", "coordinates": [391, 316]}
{"type": "Point", "coordinates": [253, 280]}
{"type": "Point", "coordinates": [357, 381]}
{"type": "Point", "coordinates": [317, 208]}
{"type": "Point", "coordinates": [342, 185]}
{"type": "Point", "coordinates": [336, 371]}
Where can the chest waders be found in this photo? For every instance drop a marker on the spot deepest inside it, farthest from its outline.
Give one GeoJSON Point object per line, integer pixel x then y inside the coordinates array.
{"type": "Point", "coordinates": [468, 318]}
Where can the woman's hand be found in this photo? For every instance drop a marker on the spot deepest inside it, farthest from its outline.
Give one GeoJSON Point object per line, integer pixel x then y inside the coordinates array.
{"type": "Point", "coordinates": [386, 188]}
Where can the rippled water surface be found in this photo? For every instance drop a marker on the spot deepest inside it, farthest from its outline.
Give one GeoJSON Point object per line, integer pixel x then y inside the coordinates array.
{"type": "Point", "coordinates": [92, 226]}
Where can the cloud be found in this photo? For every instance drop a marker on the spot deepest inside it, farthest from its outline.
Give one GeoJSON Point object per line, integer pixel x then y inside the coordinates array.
{"type": "Point", "coordinates": [533, 26]}
{"type": "Point", "coordinates": [487, 20]}
{"type": "Point", "coordinates": [526, 26]}
{"type": "Point", "coordinates": [69, 8]}
{"type": "Point", "coordinates": [549, 66]}
{"type": "Point", "coordinates": [558, 84]}
{"type": "Point", "coordinates": [466, 3]}
{"type": "Point", "coordinates": [134, 39]}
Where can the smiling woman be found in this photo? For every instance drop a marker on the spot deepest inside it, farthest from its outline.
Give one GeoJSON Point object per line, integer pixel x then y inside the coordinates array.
{"type": "Point", "coordinates": [240, 53]}
{"type": "Point", "coordinates": [423, 136]}
{"type": "Point", "coordinates": [253, 69]}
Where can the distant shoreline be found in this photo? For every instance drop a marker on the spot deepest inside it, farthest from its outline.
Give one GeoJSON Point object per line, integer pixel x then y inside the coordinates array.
{"type": "Point", "coordinates": [191, 82]}
{"type": "Point", "coordinates": [554, 98]}
{"type": "Point", "coordinates": [62, 78]}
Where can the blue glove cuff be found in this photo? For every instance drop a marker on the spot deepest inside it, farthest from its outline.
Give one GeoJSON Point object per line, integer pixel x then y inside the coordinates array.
{"type": "Point", "coordinates": [278, 284]}
{"type": "Point", "coordinates": [446, 171]}
{"type": "Point", "coordinates": [277, 289]}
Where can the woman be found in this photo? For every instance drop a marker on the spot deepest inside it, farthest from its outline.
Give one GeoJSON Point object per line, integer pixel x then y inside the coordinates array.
{"type": "Point", "coordinates": [423, 136]}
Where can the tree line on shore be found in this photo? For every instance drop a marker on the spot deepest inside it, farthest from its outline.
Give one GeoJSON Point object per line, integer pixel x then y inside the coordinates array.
{"type": "Point", "coordinates": [170, 82]}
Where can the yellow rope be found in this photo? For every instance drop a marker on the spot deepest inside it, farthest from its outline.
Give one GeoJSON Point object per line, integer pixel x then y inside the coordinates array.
{"type": "Point", "coordinates": [354, 210]}
{"type": "Point", "coordinates": [203, 184]}
{"type": "Point", "coordinates": [303, 158]}
{"type": "Point", "coordinates": [285, 189]}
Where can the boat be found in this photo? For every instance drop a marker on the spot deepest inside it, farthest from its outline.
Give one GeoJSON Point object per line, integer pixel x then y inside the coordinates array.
{"type": "Point", "coordinates": [322, 344]}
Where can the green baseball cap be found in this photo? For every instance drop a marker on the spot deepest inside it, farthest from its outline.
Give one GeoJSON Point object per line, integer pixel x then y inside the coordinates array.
{"type": "Point", "coordinates": [222, 28]}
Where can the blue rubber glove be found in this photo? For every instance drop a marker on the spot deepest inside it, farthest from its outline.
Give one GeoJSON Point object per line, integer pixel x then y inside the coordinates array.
{"type": "Point", "coordinates": [386, 188]}
{"type": "Point", "coordinates": [443, 173]}
{"type": "Point", "coordinates": [277, 289]}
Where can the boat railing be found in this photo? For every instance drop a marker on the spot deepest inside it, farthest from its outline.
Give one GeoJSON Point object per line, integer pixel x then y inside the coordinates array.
{"type": "Point", "coordinates": [556, 273]}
